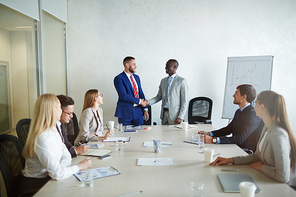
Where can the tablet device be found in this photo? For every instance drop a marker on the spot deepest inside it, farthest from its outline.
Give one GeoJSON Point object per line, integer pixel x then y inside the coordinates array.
{"type": "Point", "coordinates": [231, 181]}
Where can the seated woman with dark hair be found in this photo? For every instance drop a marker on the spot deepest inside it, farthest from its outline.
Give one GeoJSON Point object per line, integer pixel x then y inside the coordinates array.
{"type": "Point", "coordinates": [91, 119]}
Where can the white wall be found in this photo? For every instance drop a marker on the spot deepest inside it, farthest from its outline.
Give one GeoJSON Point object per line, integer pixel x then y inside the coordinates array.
{"type": "Point", "coordinates": [199, 34]}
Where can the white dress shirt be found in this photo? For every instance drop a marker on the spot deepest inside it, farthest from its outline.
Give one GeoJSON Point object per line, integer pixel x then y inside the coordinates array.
{"type": "Point", "coordinates": [52, 158]}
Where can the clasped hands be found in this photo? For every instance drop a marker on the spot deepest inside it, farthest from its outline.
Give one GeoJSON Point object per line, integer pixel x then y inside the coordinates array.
{"type": "Point", "coordinates": [144, 102]}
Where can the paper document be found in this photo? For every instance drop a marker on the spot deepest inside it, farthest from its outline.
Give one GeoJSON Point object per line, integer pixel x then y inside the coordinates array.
{"type": "Point", "coordinates": [179, 126]}
{"type": "Point", "coordinates": [100, 152]}
{"type": "Point", "coordinates": [155, 162]}
{"type": "Point", "coordinates": [163, 144]}
{"type": "Point", "coordinates": [98, 172]}
{"type": "Point", "coordinates": [114, 139]}
{"type": "Point", "coordinates": [132, 127]}
{"type": "Point", "coordinates": [94, 145]}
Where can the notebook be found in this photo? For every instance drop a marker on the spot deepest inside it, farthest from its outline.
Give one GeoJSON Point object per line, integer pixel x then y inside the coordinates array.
{"type": "Point", "coordinates": [231, 181]}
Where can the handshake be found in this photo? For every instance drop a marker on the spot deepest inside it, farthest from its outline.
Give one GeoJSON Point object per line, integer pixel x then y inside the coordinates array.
{"type": "Point", "coordinates": [144, 102]}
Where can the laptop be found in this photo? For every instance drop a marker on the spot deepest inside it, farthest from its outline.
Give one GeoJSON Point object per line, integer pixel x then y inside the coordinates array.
{"type": "Point", "coordinates": [230, 182]}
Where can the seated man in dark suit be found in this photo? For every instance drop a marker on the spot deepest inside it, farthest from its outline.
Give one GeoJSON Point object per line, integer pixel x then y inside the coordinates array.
{"type": "Point", "coordinates": [67, 105]}
{"type": "Point", "coordinates": [245, 126]}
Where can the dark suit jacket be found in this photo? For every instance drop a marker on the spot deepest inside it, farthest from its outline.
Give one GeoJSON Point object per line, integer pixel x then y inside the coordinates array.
{"type": "Point", "coordinates": [126, 99]}
{"type": "Point", "coordinates": [69, 146]}
{"type": "Point", "coordinates": [245, 127]}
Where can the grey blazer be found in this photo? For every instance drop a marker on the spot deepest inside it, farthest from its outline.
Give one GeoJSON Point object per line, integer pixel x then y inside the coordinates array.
{"type": "Point", "coordinates": [177, 100]}
{"type": "Point", "coordinates": [274, 154]}
{"type": "Point", "coordinates": [89, 124]}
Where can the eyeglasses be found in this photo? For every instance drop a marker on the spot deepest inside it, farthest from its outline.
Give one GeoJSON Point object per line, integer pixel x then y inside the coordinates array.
{"type": "Point", "coordinates": [100, 95]}
{"type": "Point", "coordinates": [69, 114]}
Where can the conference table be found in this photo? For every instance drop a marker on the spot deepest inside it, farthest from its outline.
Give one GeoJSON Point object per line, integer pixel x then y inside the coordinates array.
{"type": "Point", "coordinates": [188, 166]}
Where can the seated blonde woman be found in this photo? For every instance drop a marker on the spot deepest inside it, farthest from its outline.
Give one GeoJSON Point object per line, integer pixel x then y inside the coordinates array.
{"type": "Point", "coordinates": [45, 153]}
{"type": "Point", "coordinates": [91, 120]}
{"type": "Point", "coordinates": [275, 154]}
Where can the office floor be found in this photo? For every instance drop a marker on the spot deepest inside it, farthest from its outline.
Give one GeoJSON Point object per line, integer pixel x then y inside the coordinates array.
{"type": "Point", "coordinates": [2, 184]}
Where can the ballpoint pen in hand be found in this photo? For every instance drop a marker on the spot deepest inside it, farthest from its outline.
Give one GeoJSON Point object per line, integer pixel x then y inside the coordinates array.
{"type": "Point", "coordinates": [107, 127]}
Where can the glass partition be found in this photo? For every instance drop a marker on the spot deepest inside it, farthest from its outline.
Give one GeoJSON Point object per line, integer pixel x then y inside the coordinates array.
{"type": "Point", "coordinates": [54, 55]}
{"type": "Point", "coordinates": [18, 78]}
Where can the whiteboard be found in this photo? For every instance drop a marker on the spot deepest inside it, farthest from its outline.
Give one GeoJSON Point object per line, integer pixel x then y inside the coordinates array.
{"type": "Point", "coordinates": [253, 70]}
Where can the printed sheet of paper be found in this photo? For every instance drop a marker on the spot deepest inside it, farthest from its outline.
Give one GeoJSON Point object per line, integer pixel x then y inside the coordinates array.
{"type": "Point", "coordinates": [163, 144]}
{"type": "Point", "coordinates": [98, 172]}
{"type": "Point", "coordinates": [114, 139]}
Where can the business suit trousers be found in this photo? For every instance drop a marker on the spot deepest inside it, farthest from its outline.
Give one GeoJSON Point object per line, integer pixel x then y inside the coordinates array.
{"type": "Point", "coordinates": [137, 118]}
{"type": "Point", "coordinates": [166, 119]}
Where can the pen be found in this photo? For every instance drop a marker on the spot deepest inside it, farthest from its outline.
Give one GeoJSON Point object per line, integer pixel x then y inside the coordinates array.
{"type": "Point", "coordinates": [131, 193]}
{"type": "Point", "coordinates": [230, 170]}
{"type": "Point", "coordinates": [216, 155]}
{"type": "Point", "coordinates": [107, 127]}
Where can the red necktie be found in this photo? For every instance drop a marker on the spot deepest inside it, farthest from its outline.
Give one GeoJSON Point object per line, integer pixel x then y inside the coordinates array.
{"type": "Point", "coordinates": [134, 88]}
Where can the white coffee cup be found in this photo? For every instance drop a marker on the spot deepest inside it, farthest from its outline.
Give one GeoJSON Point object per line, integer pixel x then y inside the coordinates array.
{"type": "Point", "coordinates": [184, 126]}
{"type": "Point", "coordinates": [111, 125]}
{"type": "Point", "coordinates": [247, 189]}
{"type": "Point", "coordinates": [208, 153]}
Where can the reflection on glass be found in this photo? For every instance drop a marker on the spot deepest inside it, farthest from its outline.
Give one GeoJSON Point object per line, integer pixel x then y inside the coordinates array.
{"type": "Point", "coordinates": [17, 67]}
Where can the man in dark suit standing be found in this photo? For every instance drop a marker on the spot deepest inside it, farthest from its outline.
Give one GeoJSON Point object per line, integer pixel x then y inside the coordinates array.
{"type": "Point", "coordinates": [131, 99]}
{"type": "Point", "coordinates": [67, 105]}
{"type": "Point", "coordinates": [245, 126]}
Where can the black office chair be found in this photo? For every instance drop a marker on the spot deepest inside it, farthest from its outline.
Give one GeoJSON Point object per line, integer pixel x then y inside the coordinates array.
{"type": "Point", "coordinates": [11, 162]}
{"type": "Point", "coordinates": [22, 129]}
{"type": "Point", "coordinates": [72, 129]}
{"type": "Point", "coordinates": [200, 110]}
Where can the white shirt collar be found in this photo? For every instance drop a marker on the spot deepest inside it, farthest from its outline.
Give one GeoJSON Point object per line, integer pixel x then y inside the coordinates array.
{"type": "Point", "coordinates": [58, 124]}
{"type": "Point", "coordinates": [127, 74]}
{"type": "Point", "coordinates": [245, 106]}
{"type": "Point", "coordinates": [173, 76]}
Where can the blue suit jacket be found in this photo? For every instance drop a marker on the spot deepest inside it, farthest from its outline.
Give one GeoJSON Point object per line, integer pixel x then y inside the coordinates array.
{"type": "Point", "coordinates": [126, 99]}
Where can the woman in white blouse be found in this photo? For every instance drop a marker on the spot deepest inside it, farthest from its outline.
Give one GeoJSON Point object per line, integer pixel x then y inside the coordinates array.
{"type": "Point", "coordinates": [91, 120]}
{"type": "Point", "coordinates": [45, 153]}
{"type": "Point", "coordinates": [275, 155]}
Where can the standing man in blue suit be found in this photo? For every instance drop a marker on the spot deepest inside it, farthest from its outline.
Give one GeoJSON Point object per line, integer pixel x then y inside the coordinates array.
{"type": "Point", "coordinates": [131, 99]}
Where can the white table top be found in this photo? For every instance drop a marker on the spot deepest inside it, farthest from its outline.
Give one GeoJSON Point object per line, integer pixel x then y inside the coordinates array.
{"type": "Point", "coordinates": [173, 180]}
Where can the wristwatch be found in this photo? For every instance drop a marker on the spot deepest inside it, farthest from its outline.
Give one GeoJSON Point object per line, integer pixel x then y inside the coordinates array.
{"type": "Point", "coordinates": [214, 140]}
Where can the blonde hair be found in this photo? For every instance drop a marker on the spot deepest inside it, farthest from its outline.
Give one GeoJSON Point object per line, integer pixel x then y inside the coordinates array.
{"type": "Point", "coordinates": [44, 117]}
{"type": "Point", "coordinates": [89, 98]}
{"type": "Point", "coordinates": [276, 107]}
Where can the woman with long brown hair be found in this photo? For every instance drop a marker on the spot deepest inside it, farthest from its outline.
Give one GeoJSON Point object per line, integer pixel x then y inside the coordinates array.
{"type": "Point", "coordinates": [91, 119]}
{"type": "Point", "coordinates": [275, 155]}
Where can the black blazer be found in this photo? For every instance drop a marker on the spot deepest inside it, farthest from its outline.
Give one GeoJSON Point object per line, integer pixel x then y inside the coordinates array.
{"type": "Point", "coordinates": [245, 127]}
{"type": "Point", "coordinates": [69, 146]}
